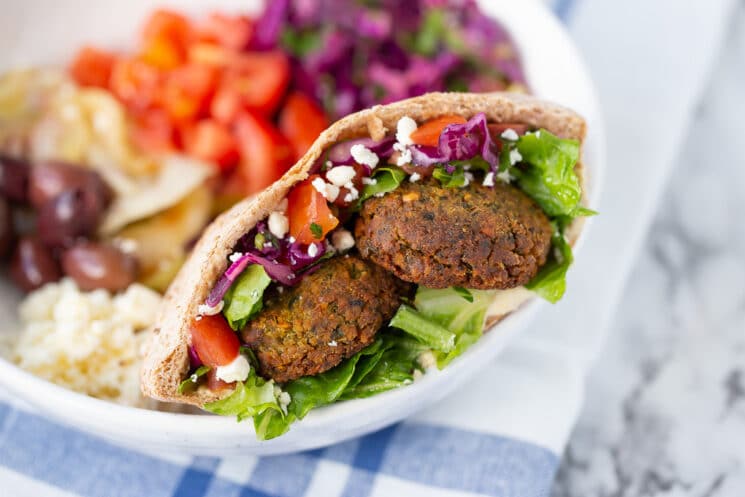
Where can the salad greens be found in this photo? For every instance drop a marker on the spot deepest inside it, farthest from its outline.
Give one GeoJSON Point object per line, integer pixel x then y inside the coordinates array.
{"type": "Point", "coordinates": [251, 398]}
{"type": "Point", "coordinates": [427, 331]}
{"type": "Point", "coordinates": [193, 380]}
{"type": "Point", "coordinates": [386, 179]}
{"type": "Point", "coordinates": [550, 282]}
{"type": "Point", "coordinates": [244, 297]}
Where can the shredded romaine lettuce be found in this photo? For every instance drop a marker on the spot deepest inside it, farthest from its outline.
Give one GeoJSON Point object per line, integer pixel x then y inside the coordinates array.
{"type": "Point", "coordinates": [244, 298]}
{"type": "Point", "coordinates": [253, 397]}
{"type": "Point", "coordinates": [425, 330]}
{"type": "Point", "coordinates": [550, 282]}
{"type": "Point", "coordinates": [386, 179]}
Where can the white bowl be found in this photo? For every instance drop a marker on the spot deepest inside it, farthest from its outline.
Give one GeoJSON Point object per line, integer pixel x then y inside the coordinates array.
{"type": "Point", "coordinates": [38, 31]}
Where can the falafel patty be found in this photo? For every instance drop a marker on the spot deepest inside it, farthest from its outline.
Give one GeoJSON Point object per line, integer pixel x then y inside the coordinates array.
{"type": "Point", "coordinates": [329, 316]}
{"type": "Point", "coordinates": [472, 237]}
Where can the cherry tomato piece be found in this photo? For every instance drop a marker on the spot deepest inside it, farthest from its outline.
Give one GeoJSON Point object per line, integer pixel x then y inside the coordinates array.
{"type": "Point", "coordinates": [135, 83]}
{"type": "Point", "coordinates": [212, 142]}
{"type": "Point", "coordinates": [309, 213]}
{"type": "Point", "coordinates": [187, 91]}
{"type": "Point", "coordinates": [260, 78]}
{"type": "Point", "coordinates": [214, 341]}
{"type": "Point", "coordinates": [153, 131]}
{"type": "Point", "coordinates": [92, 67]}
{"type": "Point", "coordinates": [428, 134]}
{"type": "Point", "coordinates": [265, 153]}
{"type": "Point", "coordinates": [229, 31]}
{"type": "Point", "coordinates": [301, 120]}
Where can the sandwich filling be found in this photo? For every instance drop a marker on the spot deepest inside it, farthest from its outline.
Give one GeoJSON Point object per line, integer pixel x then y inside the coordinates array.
{"type": "Point", "coordinates": [383, 263]}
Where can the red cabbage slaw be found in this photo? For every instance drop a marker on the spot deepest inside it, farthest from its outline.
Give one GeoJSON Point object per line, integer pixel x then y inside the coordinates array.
{"type": "Point", "coordinates": [352, 54]}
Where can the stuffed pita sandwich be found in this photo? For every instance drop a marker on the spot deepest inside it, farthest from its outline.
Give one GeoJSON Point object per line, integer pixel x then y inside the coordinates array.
{"type": "Point", "coordinates": [402, 234]}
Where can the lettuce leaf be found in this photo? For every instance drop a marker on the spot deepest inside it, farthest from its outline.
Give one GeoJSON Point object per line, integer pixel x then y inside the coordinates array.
{"type": "Point", "coordinates": [550, 179]}
{"type": "Point", "coordinates": [425, 330]}
{"type": "Point", "coordinates": [386, 179]}
{"type": "Point", "coordinates": [550, 282]}
{"type": "Point", "coordinates": [451, 308]}
{"type": "Point", "coordinates": [250, 398]}
{"type": "Point", "coordinates": [244, 297]}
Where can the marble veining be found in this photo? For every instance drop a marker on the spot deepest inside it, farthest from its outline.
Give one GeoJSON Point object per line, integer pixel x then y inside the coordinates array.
{"type": "Point", "coordinates": [665, 407]}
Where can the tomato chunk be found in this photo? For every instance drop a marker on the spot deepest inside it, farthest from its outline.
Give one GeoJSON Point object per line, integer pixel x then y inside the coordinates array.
{"type": "Point", "coordinates": [265, 153]}
{"type": "Point", "coordinates": [212, 142]}
{"type": "Point", "coordinates": [229, 31]}
{"type": "Point", "coordinates": [152, 131]}
{"type": "Point", "coordinates": [301, 121]}
{"type": "Point", "coordinates": [259, 78]}
{"type": "Point", "coordinates": [135, 83]}
{"type": "Point", "coordinates": [92, 67]}
{"type": "Point", "coordinates": [167, 25]}
{"type": "Point", "coordinates": [428, 134]}
{"type": "Point", "coordinates": [309, 213]}
{"type": "Point", "coordinates": [187, 91]}
{"type": "Point", "coordinates": [214, 341]}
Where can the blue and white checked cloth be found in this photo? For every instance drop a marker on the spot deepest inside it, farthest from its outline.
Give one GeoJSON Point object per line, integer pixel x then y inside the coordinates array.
{"type": "Point", "coordinates": [502, 435]}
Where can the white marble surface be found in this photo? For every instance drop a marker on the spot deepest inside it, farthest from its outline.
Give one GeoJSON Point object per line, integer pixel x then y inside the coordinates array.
{"type": "Point", "coordinates": [665, 407]}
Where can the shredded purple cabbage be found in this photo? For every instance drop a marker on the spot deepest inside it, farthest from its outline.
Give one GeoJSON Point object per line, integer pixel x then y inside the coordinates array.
{"type": "Point", "coordinates": [366, 53]}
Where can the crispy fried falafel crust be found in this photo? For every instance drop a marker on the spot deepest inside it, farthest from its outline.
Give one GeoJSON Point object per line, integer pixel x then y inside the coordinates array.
{"type": "Point", "coordinates": [329, 316]}
{"type": "Point", "coordinates": [472, 237]}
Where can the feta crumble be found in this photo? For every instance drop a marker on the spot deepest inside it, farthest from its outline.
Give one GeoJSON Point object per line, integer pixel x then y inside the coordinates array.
{"type": "Point", "coordinates": [284, 399]}
{"type": "Point", "coordinates": [87, 341]}
{"type": "Point", "coordinates": [427, 360]}
{"type": "Point", "coordinates": [404, 158]}
{"type": "Point", "coordinates": [237, 370]}
{"type": "Point", "coordinates": [332, 343]}
{"type": "Point", "coordinates": [208, 310]}
{"type": "Point", "coordinates": [488, 179]}
{"type": "Point", "coordinates": [278, 224]}
{"type": "Point", "coordinates": [515, 156]}
{"type": "Point", "coordinates": [415, 177]}
{"type": "Point", "coordinates": [369, 181]}
{"type": "Point", "coordinates": [329, 192]}
{"type": "Point", "coordinates": [235, 256]}
{"type": "Point", "coordinates": [363, 155]}
{"type": "Point", "coordinates": [504, 177]}
{"type": "Point", "coordinates": [340, 175]}
{"type": "Point", "coordinates": [342, 240]}
{"type": "Point", "coordinates": [405, 127]}
{"type": "Point", "coordinates": [511, 135]}
{"type": "Point", "coordinates": [312, 250]}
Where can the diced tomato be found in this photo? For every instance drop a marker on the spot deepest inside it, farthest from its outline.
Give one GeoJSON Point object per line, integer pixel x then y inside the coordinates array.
{"type": "Point", "coordinates": [226, 105]}
{"type": "Point", "coordinates": [259, 78]}
{"type": "Point", "coordinates": [229, 31]}
{"type": "Point", "coordinates": [162, 53]}
{"type": "Point", "coordinates": [212, 142]}
{"type": "Point", "coordinates": [211, 54]}
{"type": "Point", "coordinates": [301, 120]}
{"type": "Point", "coordinates": [428, 134]}
{"type": "Point", "coordinates": [135, 83]}
{"type": "Point", "coordinates": [309, 213]}
{"type": "Point", "coordinates": [92, 67]}
{"type": "Point", "coordinates": [167, 25]}
{"type": "Point", "coordinates": [153, 131]}
{"type": "Point", "coordinates": [265, 153]}
{"type": "Point", "coordinates": [214, 341]}
{"type": "Point", "coordinates": [496, 130]}
{"type": "Point", "coordinates": [187, 91]}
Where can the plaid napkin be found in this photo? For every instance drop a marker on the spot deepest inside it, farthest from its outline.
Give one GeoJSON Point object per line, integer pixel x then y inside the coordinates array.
{"type": "Point", "coordinates": [504, 433]}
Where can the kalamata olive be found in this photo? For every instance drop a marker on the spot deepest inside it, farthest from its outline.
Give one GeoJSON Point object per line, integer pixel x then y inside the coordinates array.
{"type": "Point", "coordinates": [97, 265]}
{"type": "Point", "coordinates": [7, 233]}
{"type": "Point", "coordinates": [48, 179]}
{"type": "Point", "coordinates": [14, 175]}
{"type": "Point", "coordinates": [70, 215]}
{"type": "Point", "coordinates": [33, 265]}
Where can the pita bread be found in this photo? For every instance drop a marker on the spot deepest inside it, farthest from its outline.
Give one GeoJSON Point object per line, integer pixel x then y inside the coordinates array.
{"type": "Point", "coordinates": [167, 362]}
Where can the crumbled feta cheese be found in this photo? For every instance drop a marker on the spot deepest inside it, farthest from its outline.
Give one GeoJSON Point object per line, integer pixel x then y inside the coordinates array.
{"type": "Point", "coordinates": [342, 240]}
{"type": "Point", "coordinates": [511, 135]}
{"type": "Point", "coordinates": [235, 256]}
{"type": "Point", "coordinates": [468, 177]}
{"type": "Point", "coordinates": [207, 310]}
{"type": "Point", "coordinates": [537, 134]}
{"type": "Point", "coordinates": [400, 147]}
{"type": "Point", "coordinates": [329, 164]}
{"type": "Point", "coordinates": [353, 194]}
{"type": "Point", "coordinates": [332, 343]}
{"type": "Point", "coordinates": [415, 177]}
{"type": "Point", "coordinates": [380, 195]}
{"type": "Point", "coordinates": [489, 179]}
{"type": "Point", "coordinates": [404, 158]}
{"type": "Point", "coordinates": [312, 250]}
{"type": "Point", "coordinates": [278, 224]}
{"type": "Point", "coordinates": [427, 360]}
{"type": "Point", "coordinates": [340, 175]}
{"type": "Point", "coordinates": [504, 177]}
{"type": "Point", "coordinates": [236, 370]}
{"type": "Point", "coordinates": [405, 127]}
{"type": "Point", "coordinates": [284, 400]}
{"type": "Point", "coordinates": [291, 239]}
{"type": "Point", "coordinates": [515, 156]}
{"type": "Point", "coordinates": [329, 192]}
{"type": "Point", "coordinates": [363, 155]}
{"type": "Point", "coordinates": [86, 341]}
{"type": "Point", "coordinates": [369, 181]}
